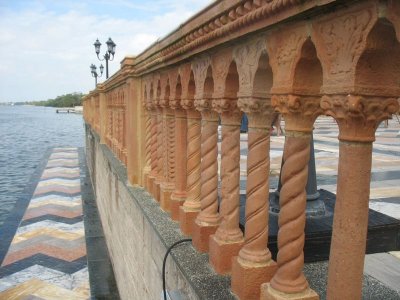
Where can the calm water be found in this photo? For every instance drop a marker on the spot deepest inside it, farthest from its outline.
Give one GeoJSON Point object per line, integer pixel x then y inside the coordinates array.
{"type": "Point", "coordinates": [25, 134]}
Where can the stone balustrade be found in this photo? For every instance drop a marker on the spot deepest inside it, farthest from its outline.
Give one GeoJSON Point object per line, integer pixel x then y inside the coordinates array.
{"type": "Point", "coordinates": [159, 115]}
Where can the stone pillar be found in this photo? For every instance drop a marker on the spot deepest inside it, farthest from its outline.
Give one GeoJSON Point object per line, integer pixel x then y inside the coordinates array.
{"type": "Point", "coordinates": [208, 219]}
{"type": "Point", "coordinates": [358, 118]}
{"type": "Point", "coordinates": [254, 265]}
{"type": "Point", "coordinates": [289, 281]}
{"type": "Point", "coordinates": [168, 186]}
{"type": "Point", "coordinates": [191, 206]}
{"type": "Point", "coordinates": [160, 150]}
{"type": "Point", "coordinates": [228, 239]}
{"type": "Point", "coordinates": [153, 155]}
{"type": "Point", "coordinates": [178, 197]}
{"type": "Point", "coordinates": [148, 129]}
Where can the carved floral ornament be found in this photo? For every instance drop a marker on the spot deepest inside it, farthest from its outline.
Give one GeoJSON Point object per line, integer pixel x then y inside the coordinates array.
{"type": "Point", "coordinates": [358, 116]}
{"type": "Point", "coordinates": [247, 58]}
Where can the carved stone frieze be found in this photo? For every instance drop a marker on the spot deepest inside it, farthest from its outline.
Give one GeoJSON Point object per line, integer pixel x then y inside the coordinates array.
{"type": "Point", "coordinates": [340, 40]}
{"type": "Point", "coordinates": [220, 66]}
{"type": "Point", "coordinates": [299, 112]}
{"type": "Point", "coordinates": [284, 48]}
{"type": "Point", "coordinates": [200, 67]}
{"type": "Point", "coordinates": [247, 58]}
{"type": "Point", "coordinates": [358, 116]}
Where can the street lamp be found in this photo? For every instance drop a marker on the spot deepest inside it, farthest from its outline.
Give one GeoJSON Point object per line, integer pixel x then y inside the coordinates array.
{"type": "Point", "coordinates": [93, 70]}
{"type": "Point", "coordinates": [109, 56]}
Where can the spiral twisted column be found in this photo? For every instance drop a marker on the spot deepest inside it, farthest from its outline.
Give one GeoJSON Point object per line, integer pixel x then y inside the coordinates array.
{"type": "Point", "coordinates": [358, 117]}
{"type": "Point", "coordinates": [148, 128]}
{"type": "Point", "coordinates": [191, 206]}
{"type": "Point", "coordinates": [299, 114]}
{"type": "Point", "coordinates": [208, 219]}
{"type": "Point", "coordinates": [228, 239]}
{"type": "Point", "coordinates": [153, 151]}
{"type": "Point", "coordinates": [168, 164]}
{"type": "Point", "coordinates": [179, 194]}
{"type": "Point", "coordinates": [254, 265]}
{"type": "Point", "coordinates": [160, 150]}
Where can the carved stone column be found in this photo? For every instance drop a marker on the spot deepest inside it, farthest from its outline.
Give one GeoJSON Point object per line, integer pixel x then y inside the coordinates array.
{"type": "Point", "coordinates": [289, 281]}
{"type": "Point", "coordinates": [178, 197]}
{"type": "Point", "coordinates": [208, 219]}
{"type": "Point", "coordinates": [191, 207]}
{"type": "Point", "coordinates": [153, 152]}
{"type": "Point", "coordinates": [160, 150]}
{"type": "Point", "coordinates": [254, 265]}
{"type": "Point", "coordinates": [228, 239]}
{"type": "Point", "coordinates": [168, 186]}
{"type": "Point", "coordinates": [358, 118]}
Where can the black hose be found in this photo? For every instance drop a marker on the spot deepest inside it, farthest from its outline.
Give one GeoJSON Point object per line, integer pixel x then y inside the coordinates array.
{"type": "Point", "coordinates": [165, 261]}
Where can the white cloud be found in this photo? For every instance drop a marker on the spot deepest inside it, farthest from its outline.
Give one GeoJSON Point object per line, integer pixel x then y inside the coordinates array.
{"type": "Point", "coordinates": [46, 53]}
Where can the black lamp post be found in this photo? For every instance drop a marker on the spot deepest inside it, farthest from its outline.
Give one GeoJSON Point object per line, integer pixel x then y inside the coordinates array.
{"type": "Point", "coordinates": [109, 56]}
{"type": "Point", "coordinates": [93, 70]}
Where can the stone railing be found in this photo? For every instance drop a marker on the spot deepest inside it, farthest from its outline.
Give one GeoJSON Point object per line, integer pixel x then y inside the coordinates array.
{"type": "Point", "coordinates": [159, 114]}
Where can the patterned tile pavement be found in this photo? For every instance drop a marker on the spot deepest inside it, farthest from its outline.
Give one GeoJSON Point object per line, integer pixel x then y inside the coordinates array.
{"type": "Point", "coordinates": [47, 256]}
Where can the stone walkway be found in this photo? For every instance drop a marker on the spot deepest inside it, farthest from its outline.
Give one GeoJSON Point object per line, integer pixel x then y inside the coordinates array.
{"type": "Point", "coordinates": [47, 256]}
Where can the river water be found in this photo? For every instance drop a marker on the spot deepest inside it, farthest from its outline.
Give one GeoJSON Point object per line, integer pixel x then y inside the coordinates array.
{"type": "Point", "coordinates": [26, 132]}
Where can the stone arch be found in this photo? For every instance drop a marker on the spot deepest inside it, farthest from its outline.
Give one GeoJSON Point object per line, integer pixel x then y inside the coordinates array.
{"type": "Point", "coordinates": [308, 73]}
{"type": "Point", "coordinates": [378, 68]}
{"type": "Point", "coordinates": [158, 91]}
{"type": "Point", "coordinates": [167, 91]}
{"type": "Point", "coordinates": [232, 82]}
{"type": "Point", "coordinates": [191, 87]}
{"type": "Point", "coordinates": [208, 84]}
{"type": "Point", "coordinates": [263, 78]}
{"type": "Point", "coordinates": [178, 88]}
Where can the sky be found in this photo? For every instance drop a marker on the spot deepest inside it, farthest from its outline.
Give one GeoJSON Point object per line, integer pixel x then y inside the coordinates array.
{"type": "Point", "coordinates": [47, 45]}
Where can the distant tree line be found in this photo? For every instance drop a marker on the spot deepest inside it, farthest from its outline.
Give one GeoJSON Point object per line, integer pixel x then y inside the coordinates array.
{"type": "Point", "coordinates": [68, 100]}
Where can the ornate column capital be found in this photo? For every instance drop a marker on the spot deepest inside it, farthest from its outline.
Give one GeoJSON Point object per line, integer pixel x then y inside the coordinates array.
{"type": "Point", "coordinates": [163, 102]}
{"type": "Point", "coordinates": [204, 106]}
{"type": "Point", "coordinates": [188, 105]}
{"type": "Point", "coordinates": [358, 116]}
{"type": "Point", "coordinates": [299, 112]}
{"type": "Point", "coordinates": [175, 104]}
{"type": "Point", "coordinates": [258, 109]}
{"type": "Point", "coordinates": [229, 111]}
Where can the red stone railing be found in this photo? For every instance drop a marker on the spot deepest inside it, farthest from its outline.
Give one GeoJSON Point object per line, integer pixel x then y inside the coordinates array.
{"type": "Point", "coordinates": [159, 115]}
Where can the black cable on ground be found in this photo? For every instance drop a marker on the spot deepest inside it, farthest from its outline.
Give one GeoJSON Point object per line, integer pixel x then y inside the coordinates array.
{"type": "Point", "coordinates": [165, 261]}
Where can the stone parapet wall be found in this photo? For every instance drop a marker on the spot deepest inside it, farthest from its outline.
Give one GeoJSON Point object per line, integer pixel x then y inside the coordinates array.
{"type": "Point", "coordinates": [160, 112]}
{"type": "Point", "coordinates": [137, 234]}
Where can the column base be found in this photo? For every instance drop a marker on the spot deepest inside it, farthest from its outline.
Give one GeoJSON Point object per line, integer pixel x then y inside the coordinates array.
{"type": "Point", "coordinates": [150, 184]}
{"type": "Point", "coordinates": [268, 293]}
{"type": "Point", "coordinates": [186, 220]}
{"type": "Point", "coordinates": [246, 280]}
{"type": "Point", "coordinates": [145, 180]}
{"type": "Point", "coordinates": [165, 198]}
{"type": "Point", "coordinates": [201, 236]}
{"type": "Point", "coordinates": [156, 190]}
{"type": "Point", "coordinates": [221, 254]}
{"type": "Point", "coordinates": [174, 205]}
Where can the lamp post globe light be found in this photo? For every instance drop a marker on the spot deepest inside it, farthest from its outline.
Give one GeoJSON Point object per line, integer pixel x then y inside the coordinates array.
{"type": "Point", "coordinates": [109, 56]}
{"type": "Point", "coordinates": [93, 70]}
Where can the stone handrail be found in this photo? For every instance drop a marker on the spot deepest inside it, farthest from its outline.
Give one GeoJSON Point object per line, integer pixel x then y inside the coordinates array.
{"type": "Point", "coordinates": [159, 115]}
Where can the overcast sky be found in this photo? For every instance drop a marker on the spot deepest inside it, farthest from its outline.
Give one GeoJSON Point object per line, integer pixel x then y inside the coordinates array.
{"type": "Point", "coordinates": [47, 45]}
